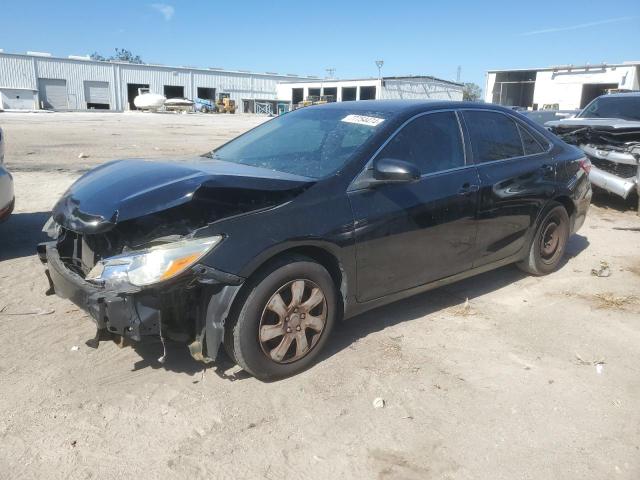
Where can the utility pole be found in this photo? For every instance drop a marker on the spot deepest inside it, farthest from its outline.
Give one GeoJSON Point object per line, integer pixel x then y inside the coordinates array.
{"type": "Point", "coordinates": [330, 71]}
{"type": "Point", "coordinates": [379, 64]}
{"type": "Point", "coordinates": [458, 74]}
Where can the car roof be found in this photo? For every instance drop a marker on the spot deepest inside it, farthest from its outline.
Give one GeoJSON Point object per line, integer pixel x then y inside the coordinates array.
{"type": "Point", "coordinates": [408, 106]}
{"type": "Point", "coordinates": [621, 94]}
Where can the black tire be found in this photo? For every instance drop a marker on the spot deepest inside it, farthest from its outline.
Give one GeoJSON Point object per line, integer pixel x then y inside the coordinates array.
{"type": "Point", "coordinates": [549, 243]}
{"type": "Point", "coordinates": [244, 334]}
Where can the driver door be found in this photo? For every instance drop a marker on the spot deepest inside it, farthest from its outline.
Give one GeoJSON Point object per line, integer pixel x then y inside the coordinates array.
{"type": "Point", "coordinates": [410, 234]}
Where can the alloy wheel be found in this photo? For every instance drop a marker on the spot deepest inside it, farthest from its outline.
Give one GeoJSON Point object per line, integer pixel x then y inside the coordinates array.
{"type": "Point", "coordinates": [292, 321]}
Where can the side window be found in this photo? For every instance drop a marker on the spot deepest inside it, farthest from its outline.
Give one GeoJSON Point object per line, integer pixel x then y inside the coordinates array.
{"type": "Point", "coordinates": [531, 145]}
{"type": "Point", "coordinates": [432, 142]}
{"type": "Point", "coordinates": [494, 136]}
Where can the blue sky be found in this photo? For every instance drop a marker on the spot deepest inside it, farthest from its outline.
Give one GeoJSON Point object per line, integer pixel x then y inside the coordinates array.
{"type": "Point", "coordinates": [413, 37]}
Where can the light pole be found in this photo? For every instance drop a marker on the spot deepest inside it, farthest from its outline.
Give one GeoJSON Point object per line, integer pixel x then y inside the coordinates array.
{"type": "Point", "coordinates": [379, 64]}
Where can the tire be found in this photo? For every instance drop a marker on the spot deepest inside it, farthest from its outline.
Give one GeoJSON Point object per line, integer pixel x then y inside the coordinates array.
{"type": "Point", "coordinates": [549, 243]}
{"type": "Point", "coordinates": [284, 320]}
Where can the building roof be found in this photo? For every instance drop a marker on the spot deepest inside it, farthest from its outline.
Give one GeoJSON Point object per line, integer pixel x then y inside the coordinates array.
{"type": "Point", "coordinates": [84, 60]}
{"type": "Point", "coordinates": [372, 79]}
{"type": "Point", "coordinates": [569, 67]}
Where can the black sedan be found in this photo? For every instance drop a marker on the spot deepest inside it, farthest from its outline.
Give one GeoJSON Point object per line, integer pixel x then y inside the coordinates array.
{"type": "Point", "coordinates": [312, 217]}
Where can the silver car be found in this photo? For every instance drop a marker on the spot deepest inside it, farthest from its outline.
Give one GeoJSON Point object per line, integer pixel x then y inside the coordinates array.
{"type": "Point", "coordinates": [7, 198]}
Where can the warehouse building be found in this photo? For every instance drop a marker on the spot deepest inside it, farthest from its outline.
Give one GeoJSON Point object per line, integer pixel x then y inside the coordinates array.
{"type": "Point", "coordinates": [411, 87]}
{"type": "Point", "coordinates": [566, 87]}
{"type": "Point", "coordinates": [36, 80]}
{"type": "Point", "coordinates": [41, 81]}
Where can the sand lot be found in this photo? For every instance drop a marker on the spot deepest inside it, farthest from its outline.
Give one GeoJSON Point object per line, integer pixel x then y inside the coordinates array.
{"type": "Point", "coordinates": [539, 378]}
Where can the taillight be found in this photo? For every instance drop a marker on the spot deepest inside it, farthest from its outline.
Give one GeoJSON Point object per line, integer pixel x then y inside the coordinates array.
{"type": "Point", "coordinates": [585, 164]}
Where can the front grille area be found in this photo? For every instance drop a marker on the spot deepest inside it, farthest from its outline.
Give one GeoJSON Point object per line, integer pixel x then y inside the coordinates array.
{"type": "Point", "coordinates": [618, 169]}
{"type": "Point", "coordinates": [75, 253]}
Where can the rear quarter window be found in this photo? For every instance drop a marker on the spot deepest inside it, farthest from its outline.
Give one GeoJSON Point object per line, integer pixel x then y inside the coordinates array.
{"type": "Point", "coordinates": [529, 142]}
{"type": "Point", "coordinates": [493, 135]}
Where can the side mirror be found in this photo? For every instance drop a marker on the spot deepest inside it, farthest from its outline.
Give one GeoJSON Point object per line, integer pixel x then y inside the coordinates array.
{"type": "Point", "coordinates": [391, 170]}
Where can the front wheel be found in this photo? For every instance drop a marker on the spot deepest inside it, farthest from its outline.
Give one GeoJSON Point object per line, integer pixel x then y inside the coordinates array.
{"type": "Point", "coordinates": [548, 244]}
{"type": "Point", "coordinates": [288, 313]}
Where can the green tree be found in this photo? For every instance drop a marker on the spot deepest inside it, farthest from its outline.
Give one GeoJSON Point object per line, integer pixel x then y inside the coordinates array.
{"type": "Point", "coordinates": [122, 55]}
{"type": "Point", "coordinates": [471, 92]}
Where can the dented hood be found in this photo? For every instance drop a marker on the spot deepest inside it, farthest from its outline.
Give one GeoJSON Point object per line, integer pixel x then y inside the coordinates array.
{"type": "Point", "coordinates": [128, 189]}
{"type": "Point", "coordinates": [595, 123]}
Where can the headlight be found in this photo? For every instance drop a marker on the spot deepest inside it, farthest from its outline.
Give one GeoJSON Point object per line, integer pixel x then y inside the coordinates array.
{"type": "Point", "coordinates": [156, 264]}
{"type": "Point", "coordinates": [52, 229]}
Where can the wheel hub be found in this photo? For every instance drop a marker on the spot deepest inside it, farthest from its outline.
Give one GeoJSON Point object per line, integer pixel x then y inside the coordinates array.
{"type": "Point", "coordinates": [292, 321]}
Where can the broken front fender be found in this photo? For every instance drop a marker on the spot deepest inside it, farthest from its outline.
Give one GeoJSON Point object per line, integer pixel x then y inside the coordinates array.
{"type": "Point", "coordinates": [192, 310]}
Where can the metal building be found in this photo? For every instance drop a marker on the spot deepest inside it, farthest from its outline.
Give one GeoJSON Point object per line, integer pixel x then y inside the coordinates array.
{"type": "Point", "coordinates": [565, 87]}
{"type": "Point", "coordinates": [410, 87]}
{"type": "Point", "coordinates": [41, 81]}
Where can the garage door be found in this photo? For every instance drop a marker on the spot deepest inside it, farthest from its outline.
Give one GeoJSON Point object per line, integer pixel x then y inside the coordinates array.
{"type": "Point", "coordinates": [53, 93]}
{"type": "Point", "coordinates": [17, 99]}
{"type": "Point", "coordinates": [96, 93]}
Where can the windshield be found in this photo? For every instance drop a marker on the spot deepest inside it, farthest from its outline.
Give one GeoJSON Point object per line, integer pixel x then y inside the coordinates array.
{"type": "Point", "coordinates": [312, 142]}
{"type": "Point", "coordinates": [623, 107]}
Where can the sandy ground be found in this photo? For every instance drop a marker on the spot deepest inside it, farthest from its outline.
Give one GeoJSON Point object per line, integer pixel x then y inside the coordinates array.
{"type": "Point", "coordinates": [537, 378]}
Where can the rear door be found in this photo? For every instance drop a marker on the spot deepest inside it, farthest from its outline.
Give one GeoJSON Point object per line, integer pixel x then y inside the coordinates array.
{"type": "Point", "coordinates": [53, 93]}
{"type": "Point", "coordinates": [413, 233]}
{"type": "Point", "coordinates": [517, 177]}
{"type": "Point", "coordinates": [97, 93]}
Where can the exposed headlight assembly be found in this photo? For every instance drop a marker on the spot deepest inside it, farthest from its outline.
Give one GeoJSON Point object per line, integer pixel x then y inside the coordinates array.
{"type": "Point", "coordinates": [52, 229]}
{"type": "Point", "coordinates": [153, 265]}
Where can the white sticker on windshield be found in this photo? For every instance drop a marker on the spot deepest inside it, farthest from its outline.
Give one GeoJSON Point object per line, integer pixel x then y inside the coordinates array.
{"type": "Point", "coordinates": [363, 120]}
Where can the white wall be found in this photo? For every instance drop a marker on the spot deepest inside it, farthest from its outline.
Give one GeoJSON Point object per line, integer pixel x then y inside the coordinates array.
{"type": "Point", "coordinates": [565, 88]}
{"type": "Point", "coordinates": [17, 99]}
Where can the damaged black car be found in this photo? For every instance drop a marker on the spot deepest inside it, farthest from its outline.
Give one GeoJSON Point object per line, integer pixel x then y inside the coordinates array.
{"type": "Point", "coordinates": [262, 245]}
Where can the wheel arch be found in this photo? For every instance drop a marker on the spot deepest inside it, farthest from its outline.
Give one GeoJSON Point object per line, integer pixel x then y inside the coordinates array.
{"type": "Point", "coordinates": [320, 252]}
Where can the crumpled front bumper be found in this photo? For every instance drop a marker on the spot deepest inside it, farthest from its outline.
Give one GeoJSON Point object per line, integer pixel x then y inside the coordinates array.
{"type": "Point", "coordinates": [612, 183]}
{"type": "Point", "coordinates": [134, 313]}
{"type": "Point", "coordinates": [127, 312]}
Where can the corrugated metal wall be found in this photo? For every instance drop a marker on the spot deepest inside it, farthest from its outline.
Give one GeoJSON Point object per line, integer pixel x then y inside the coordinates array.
{"type": "Point", "coordinates": [22, 71]}
{"type": "Point", "coordinates": [425, 88]}
{"type": "Point", "coordinates": [17, 72]}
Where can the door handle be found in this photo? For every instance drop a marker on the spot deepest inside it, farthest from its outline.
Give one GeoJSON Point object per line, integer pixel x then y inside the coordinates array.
{"type": "Point", "coordinates": [468, 189]}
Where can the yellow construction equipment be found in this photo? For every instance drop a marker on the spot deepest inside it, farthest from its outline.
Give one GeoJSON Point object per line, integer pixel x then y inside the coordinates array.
{"type": "Point", "coordinates": [226, 105]}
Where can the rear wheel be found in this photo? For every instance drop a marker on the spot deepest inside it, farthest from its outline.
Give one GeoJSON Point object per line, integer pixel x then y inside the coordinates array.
{"type": "Point", "coordinates": [286, 318]}
{"type": "Point", "coordinates": [549, 243]}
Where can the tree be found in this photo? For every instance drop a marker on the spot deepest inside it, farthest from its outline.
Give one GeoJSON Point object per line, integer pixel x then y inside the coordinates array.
{"type": "Point", "coordinates": [122, 55]}
{"type": "Point", "coordinates": [97, 56]}
{"type": "Point", "coordinates": [471, 92]}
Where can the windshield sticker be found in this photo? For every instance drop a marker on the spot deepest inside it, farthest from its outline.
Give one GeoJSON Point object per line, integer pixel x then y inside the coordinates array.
{"type": "Point", "coordinates": [363, 120]}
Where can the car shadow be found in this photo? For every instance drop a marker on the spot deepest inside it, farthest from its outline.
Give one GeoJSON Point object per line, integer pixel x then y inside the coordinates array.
{"type": "Point", "coordinates": [177, 358]}
{"type": "Point", "coordinates": [21, 233]}
{"type": "Point", "coordinates": [418, 306]}
{"type": "Point", "coordinates": [604, 199]}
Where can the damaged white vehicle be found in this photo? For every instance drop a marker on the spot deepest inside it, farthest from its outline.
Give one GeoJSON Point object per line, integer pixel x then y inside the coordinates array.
{"type": "Point", "coordinates": [608, 131]}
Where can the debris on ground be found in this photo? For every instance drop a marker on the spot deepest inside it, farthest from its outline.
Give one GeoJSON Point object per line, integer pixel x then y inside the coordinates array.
{"type": "Point", "coordinates": [465, 310]}
{"type": "Point", "coordinates": [602, 271]}
{"type": "Point", "coordinates": [582, 361]}
{"type": "Point", "coordinates": [608, 300]}
{"type": "Point", "coordinates": [83, 155]}
{"type": "Point", "coordinates": [378, 403]}
{"type": "Point", "coordinates": [75, 348]}
{"type": "Point", "coordinates": [35, 311]}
